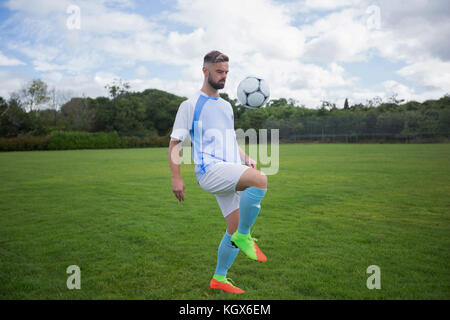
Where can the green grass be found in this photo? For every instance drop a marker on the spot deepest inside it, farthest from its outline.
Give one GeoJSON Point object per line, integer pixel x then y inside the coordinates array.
{"type": "Point", "coordinates": [329, 213]}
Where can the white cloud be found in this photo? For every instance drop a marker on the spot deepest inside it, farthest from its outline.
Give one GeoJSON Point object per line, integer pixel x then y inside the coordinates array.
{"type": "Point", "coordinates": [395, 88]}
{"type": "Point", "coordinates": [46, 67]}
{"type": "Point", "coordinates": [52, 77]}
{"type": "Point", "coordinates": [8, 62]}
{"type": "Point", "coordinates": [415, 31]}
{"type": "Point", "coordinates": [325, 5]}
{"type": "Point", "coordinates": [178, 87]}
{"type": "Point", "coordinates": [37, 52]}
{"type": "Point", "coordinates": [105, 78]}
{"type": "Point", "coordinates": [10, 82]}
{"type": "Point", "coordinates": [339, 37]}
{"type": "Point", "coordinates": [242, 27]}
{"type": "Point", "coordinates": [97, 19]}
{"type": "Point", "coordinates": [81, 85]}
{"type": "Point", "coordinates": [40, 7]}
{"type": "Point", "coordinates": [431, 73]}
{"type": "Point", "coordinates": [141, 72]}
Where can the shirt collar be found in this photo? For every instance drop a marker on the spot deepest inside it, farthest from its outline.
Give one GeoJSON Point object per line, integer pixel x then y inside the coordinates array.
{"type": "Point", "coordinates": [209, 97]}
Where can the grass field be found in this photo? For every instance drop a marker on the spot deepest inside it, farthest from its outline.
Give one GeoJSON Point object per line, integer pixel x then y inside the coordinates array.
{"type": "Point", "coordinates": [329, 213]}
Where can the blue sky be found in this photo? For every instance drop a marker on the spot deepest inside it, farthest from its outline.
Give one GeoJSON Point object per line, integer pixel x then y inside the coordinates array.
{"type": "Point", "coordinates": [309, 50]}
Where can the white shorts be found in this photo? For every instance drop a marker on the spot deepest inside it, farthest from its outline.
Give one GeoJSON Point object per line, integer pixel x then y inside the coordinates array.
{"type": "Point", "coordinates": [221, 180]}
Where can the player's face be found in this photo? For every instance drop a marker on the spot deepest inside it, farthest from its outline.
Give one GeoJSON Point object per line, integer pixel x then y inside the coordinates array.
{"type": "Point", "coordinates": [217, 75]}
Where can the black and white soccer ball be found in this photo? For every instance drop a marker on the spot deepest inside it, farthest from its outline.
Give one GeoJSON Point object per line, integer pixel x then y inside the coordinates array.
{"type": "Point", "coordinates": [253, 92]}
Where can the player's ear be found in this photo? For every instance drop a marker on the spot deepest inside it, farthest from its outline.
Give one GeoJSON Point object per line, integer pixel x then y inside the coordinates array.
{"type": "Point", "coordinates": [205, 70]}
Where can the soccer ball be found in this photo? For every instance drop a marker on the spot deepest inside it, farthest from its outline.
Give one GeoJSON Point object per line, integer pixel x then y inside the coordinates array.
{"type": "Point", "coordinates": [253, 92]}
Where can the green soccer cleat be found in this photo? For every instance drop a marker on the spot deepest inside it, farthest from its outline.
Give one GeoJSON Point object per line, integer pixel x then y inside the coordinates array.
{"type": "Point", "coordinates": [248, 245]}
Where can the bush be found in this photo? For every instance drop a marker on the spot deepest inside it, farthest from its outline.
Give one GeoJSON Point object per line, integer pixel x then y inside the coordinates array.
{"type": "Point", "coordinates": [68, 140]}
{"type": "Point", "coordinates": [153, 141]}
{"type": "Point", "coordinates": [64, 140]}
{"type": "Point", "coordinates": [24, 143]}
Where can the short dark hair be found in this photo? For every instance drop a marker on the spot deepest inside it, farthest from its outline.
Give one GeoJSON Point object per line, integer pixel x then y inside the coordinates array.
{"type": "Point", "coordinates": [214, 57]}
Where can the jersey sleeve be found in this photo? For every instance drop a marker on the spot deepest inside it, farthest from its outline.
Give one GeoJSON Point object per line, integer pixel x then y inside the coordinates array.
{"type": "Point", "coordinates": [183, 121]}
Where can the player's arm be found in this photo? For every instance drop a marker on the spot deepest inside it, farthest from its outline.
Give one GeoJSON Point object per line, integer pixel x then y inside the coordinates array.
{"type": "Point", "coordinates": [183, 121]}
{"type": "Point", "coordinates": [174, 161]}
{"type": "Point", "coordinates": [247, 160]}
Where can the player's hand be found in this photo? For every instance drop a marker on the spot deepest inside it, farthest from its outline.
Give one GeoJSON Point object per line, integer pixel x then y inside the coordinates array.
{"type": "Point", "coordinates": [250, 163]}
{"type": "Point", "coordinates": [178, 189]}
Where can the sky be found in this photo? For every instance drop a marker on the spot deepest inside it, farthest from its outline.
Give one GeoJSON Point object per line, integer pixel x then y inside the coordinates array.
{"type": "Point", "coordinates": [307, 50]}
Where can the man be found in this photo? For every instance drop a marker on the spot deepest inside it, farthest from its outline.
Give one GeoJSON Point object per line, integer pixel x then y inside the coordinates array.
{"type": "Point", "coordinates": [238, 188]}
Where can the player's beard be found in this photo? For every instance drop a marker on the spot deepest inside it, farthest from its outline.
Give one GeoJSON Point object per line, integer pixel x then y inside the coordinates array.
{"type": "Point", "coordinates": [216, 85]}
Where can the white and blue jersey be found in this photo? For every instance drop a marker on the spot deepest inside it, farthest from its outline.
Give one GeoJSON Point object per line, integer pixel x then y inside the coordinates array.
{"type": "Point", "coordinates": [210, 123]}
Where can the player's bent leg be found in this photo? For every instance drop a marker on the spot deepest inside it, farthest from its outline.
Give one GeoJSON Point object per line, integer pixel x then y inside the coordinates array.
{"type": "Point", "coordinates": [254, 186]}
{"type": "Point", "coordinates": [246, 243]}
{"type": "Point", "coordinates": [252, 178]}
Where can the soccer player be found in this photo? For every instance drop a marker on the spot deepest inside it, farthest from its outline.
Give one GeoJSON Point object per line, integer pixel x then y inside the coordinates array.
{"type": "Point", "coordinates": [238, 188]}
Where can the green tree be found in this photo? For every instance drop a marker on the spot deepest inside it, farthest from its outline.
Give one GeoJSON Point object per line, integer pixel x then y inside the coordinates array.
{"type": "Point", "coordinates": [117, 87]}
{"type": "Point", "coordinates": [34, 94]}
{"type": "Point", "coordinates": [13, 118]}
{"type": "Point", "coordinates": [346, 104]}
{"type": "Point", "coordinates": [78, 115]}
{"type": "Point", "coordinates": [277, 102]}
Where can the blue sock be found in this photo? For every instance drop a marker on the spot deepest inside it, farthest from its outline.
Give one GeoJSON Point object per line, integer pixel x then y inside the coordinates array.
{"type": "Point", "coordinates": [249, 207]}
{"type": "Point", "coordinates": [226, 255]}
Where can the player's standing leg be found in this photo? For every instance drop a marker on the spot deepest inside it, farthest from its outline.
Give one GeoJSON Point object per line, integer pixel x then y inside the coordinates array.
{"type": "Point", "coordinates": [226, 255]}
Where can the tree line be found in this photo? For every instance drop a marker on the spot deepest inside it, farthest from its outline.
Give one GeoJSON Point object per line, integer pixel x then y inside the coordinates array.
{"type": "Point", "coordinates": [37, 111]}
{"type": "Point", "coordinates": [32, 112]}
{"type": "Point", "coordinates": [375, 121]}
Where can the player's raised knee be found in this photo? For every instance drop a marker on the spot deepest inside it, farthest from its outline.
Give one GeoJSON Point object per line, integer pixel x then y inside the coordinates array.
{"type": "Point", "coordinates": [252, 178]}
{"type": "Point", "coordinates": [261, 180]}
